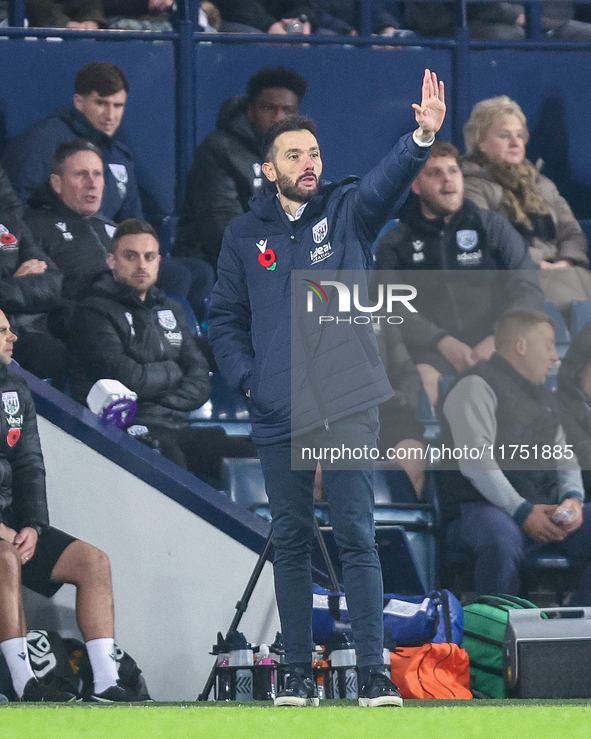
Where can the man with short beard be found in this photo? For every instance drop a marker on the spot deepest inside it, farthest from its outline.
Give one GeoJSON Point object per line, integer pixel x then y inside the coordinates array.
{"type": "Point", "coordinates": [298, 222]}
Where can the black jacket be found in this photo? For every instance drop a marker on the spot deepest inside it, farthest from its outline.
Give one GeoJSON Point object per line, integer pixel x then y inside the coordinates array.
{"type": "Point", "coordinates": [145, 345]}
{"type": "Point", "coordinates": [22, 474]}
{"type": "Point", "coordinates": [78, 245]}
{"type": "Point", "coordinates": [575, 404]}
{"type": "Point", "coordinates": [226, 172]}
{"type": "Point", "coordinates": [26, 300]}
{"type": "Point", "coordinates": [487, 270]}
{"type": "Point", "coordinates": [27, 160]}
{"type": "Point", "coordinates": [9, 200]}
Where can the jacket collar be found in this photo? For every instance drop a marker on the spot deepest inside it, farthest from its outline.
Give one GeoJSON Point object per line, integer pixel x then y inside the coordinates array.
{"type": "Point", "coordinates": [83, 129]}
{"type": "Point", "coordinates": [106, 286]}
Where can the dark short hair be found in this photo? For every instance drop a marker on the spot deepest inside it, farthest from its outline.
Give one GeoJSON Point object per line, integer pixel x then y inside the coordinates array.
{"type": "Point", "coordinates": [132, 227]}
{"type": "Point", "coordinates": [102, 77]}
{"type": "Point", "coordinates": [294, 123]}
{"type": "Point", "coordinates": [513, 324]}
{"type": "Point", "coordinates": [278, 77]}
{"type": "Point", "coordinates": [66, 150]}
{"type": "Point", "coordinates": [444, 149]}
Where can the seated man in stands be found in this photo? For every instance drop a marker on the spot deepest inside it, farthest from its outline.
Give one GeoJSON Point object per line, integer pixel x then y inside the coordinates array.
{"type": "Point", "coordinates": [126, 329]}
{"type": "Point", "coordinates": [30, 286]}
{"type": "Point", "coordinates": [440, 230]}
{"type": "Point", "coordinates": [42, 557]}
{"type": "Point", "coordinates": [503, 505]}
{"type": "Point", "coordinates": [226, 170]}
{"type": "Point", "coordinates": [64, 219]}
{"type": "Point", "coordinates": [99, 104]}
{"type": "Point", "coordinates": [574, 399]}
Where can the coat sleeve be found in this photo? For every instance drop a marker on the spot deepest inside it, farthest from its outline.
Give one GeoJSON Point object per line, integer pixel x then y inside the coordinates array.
{"type": "Point", "coordinates": [212, 202]}
{"type": "Point", "coordinates": [194, 388]}
{"type": "Point", "coordinates": [29, 502]}
{"type": "Point", "coordinates": [37, 293]}
{"type": "Point", "coordinates": [230, 318]}
{"type": "Point", "coordinates": [520, 276]}
{"type": "Point", "coordinates": [380, 194]}
{"type": "Point", "coordinates": [570, 239]}
{"type": "Point", "coordinates": [99, 347]}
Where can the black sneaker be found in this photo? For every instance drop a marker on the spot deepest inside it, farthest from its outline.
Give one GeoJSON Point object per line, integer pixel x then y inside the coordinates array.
{"type": "Point", "coordinates": [298, 690]}
{"type": "Point", "coordinates": [36, 692]}
{"type": "Point", "coordinates": [379, 690]}
{"type": "Point", "coordinates": [115, 694]}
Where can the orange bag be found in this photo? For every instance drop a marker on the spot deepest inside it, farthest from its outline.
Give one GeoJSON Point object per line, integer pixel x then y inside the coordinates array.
{"type": "Point", "coordinates": [432, 671]}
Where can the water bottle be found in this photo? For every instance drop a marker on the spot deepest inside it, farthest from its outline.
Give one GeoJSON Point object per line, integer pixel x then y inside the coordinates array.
{"type": "Point", "coordinates": [343, 661]}
{"type": "Point", "coordinates": [222, 670]}
{"type": "Point", "coordinates": [321, 670]}
{"type": "Point", "coordinates": [265, 675]}
{"type": "Point", "coordinates": [240, 657]}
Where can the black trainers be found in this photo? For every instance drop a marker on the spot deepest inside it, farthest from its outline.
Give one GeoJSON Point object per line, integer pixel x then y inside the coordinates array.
{"type": "Point", "coordinates": [379, 690]}
{"type": "Point", "coordinates": [298, 690]}
{"type": "Point", "coordinates": [36, 692]}
{"type": "Point", "coordinates": [115, 694]}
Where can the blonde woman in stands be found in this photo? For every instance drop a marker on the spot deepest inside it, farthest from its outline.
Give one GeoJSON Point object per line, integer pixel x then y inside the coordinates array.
{"type": "Point", "coordinates": [498, 176]}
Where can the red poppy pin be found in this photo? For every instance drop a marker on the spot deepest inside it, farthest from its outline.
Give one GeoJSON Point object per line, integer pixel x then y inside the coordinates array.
{"type": "Point", "coordinates": [13, 436]}
{"type": "Point", "coordinates": [8, 239]}
{"type": "Point", "coordinates": [267, 257]}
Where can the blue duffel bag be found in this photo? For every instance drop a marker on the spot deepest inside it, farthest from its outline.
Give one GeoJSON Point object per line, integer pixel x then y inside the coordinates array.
{"type": "Point", "coordinates": [409, 620]}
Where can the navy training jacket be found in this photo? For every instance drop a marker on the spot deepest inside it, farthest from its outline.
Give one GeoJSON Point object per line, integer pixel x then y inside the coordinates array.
{"type": "Point", "coordinates": [250, 310]}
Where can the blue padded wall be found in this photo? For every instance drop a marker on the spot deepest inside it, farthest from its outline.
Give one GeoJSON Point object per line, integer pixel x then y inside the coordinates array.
{"type": "Point", "coordinates": [360, 97]}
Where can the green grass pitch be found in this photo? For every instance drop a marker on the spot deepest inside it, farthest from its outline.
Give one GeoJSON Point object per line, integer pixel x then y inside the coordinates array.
{"type": "Point", "coordinates": [336, 720]}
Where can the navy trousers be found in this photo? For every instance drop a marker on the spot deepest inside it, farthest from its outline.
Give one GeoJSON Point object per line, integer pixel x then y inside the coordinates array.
{"type": "Point", "coordinates": [350, 497]}
{"type": "Point", "coordinates": [500, 545]}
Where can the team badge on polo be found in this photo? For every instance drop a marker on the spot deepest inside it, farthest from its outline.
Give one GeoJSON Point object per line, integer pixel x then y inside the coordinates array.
{"type": "Point", "coordinates": [166, 319]}
{"type": "Point", "coordinates": [119, 172]}
{"type": "Point", "coordinates": [319, 231]}
{"type": "Point", "coordinates": [11, 403]}
{"type": "Point", "coordinates": [467, 239]}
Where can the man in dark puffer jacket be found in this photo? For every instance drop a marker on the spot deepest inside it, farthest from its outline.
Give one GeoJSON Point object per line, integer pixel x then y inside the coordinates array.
{"type": "Point", "coordinates": [227, 166]}
{"type": "Point", "coordinates": [300, 223]}
{"type": "Point", "coordinates": [126, 329]}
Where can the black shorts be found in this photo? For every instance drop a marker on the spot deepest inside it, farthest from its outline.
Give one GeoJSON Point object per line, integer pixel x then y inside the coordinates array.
{"type": "Point", "coordinates": [36, 573]}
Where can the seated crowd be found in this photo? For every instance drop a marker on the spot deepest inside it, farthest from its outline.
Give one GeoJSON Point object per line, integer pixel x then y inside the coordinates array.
{"type": "Point", "coordinates": [85, 295]}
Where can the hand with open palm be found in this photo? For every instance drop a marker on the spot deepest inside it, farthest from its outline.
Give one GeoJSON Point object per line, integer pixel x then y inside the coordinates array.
{"type": "Point", "coordinates": [431, 112]}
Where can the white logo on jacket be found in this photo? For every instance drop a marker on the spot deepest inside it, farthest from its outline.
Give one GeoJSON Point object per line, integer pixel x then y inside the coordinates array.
{"type": "Point", "coordinates": [467, 239]}
{"type": "Point", "coordinates": [167, 319]}
{"type": "Point", "coordinates": [11, 403]}
{"type": "Point", "coordinates": [320, 230]}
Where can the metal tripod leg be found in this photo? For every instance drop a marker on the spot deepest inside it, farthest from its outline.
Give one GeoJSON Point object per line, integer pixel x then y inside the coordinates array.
{"type": "Point", "coordinates": [242, 604]}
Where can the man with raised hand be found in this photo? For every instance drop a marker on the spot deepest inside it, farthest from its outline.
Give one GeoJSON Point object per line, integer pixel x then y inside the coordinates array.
{"type": "Point", "coordinates": [250, 329]}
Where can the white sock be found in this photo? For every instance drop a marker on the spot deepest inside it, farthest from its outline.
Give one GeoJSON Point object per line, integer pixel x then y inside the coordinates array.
{"type": "Point", "coordinates": [101, 653]}
{"type": "Point", "coordinates": [16, 654]}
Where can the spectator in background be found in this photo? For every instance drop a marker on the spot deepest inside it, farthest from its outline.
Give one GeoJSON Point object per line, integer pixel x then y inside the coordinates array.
{"type": "Point", "coordinates": [574, 399]}
{"type": "Point", "coordinates": [441, 230]}
{"type": "Point", "coordinates": [86, 15]}
{"type": "Point", "coordinates": [501, 509]}
{"type": "Point", "coordinates": [499, 177]}
{"type": "Point", "coordinates": [267, 16]}
{"type": "Point", "coordinates": [343, 17]}
{"type": "Point", "coordinates": [126, 329]}
{"type": "Point", "coordinates": [30, 287]}
{"type": "Point", "coordinates": [64, 219]}
{"type": "Point", "coordinates": [226, 170]}
{"type": "Point", "coordinates": [99, 105]}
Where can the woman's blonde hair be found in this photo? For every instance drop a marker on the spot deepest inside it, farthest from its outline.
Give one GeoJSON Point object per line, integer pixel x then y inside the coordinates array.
{"type": "Point", "coordinates": [484, 115]}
